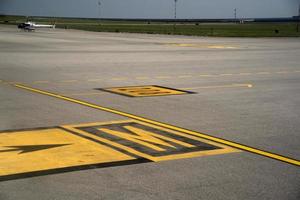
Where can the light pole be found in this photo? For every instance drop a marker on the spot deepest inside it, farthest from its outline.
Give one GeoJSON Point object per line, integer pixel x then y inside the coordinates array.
{"type": "Point", "coordinates": [298, 18]}
{"type": "Point", "coordinates": [235, 17]}
{"type": "Point", "coordinates": [99, 6]}
{"type": "Point", "coordinates": [175, 9]}
{"type": "Point", "coordinates": [175, 15]}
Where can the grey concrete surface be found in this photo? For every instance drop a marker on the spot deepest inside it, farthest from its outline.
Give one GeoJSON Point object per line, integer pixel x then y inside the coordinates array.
{"type": "Point", "coordinates": [74, 63]}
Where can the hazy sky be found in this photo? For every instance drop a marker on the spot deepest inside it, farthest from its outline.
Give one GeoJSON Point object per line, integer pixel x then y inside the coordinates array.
{"type": "Point", "coordinates": [151, 8]}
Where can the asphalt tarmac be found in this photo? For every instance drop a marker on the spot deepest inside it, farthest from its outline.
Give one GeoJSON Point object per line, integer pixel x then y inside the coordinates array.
{"type": "Point", "coordinates": [229, 129]}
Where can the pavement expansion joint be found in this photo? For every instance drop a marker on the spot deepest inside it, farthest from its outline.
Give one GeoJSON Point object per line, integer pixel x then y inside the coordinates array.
{"type": "Point", "coordinates": [158, 77]}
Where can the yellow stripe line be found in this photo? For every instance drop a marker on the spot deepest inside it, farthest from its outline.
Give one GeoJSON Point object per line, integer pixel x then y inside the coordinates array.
{"type": "Point", "coordinates": [208, 137]}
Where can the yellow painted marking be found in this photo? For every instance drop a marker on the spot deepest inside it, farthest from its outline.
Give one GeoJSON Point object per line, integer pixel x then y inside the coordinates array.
{"type": "Point", "coordinates": [143, 91]}
{"type": "Point", "coordinates": [219, 86]}
{"type": "Point", "coordinates": [106, 141]}
{"type": "Point", "coordinates": [221, 47]}
{"type": "Point", "coordinates": [184, 45]}
{"type": "Point", "coordinates": [139, 138]}
{"type": "Point", "coordinates": [142, 119]}
{"type": "Point", "coordinates": [146, 138]}
{"type": "Point", "coordinates": [76, 152]}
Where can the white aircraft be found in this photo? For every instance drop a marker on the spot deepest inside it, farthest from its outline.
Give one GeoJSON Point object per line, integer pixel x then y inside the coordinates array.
{"type": "Point", "coordinates": [31, 26]}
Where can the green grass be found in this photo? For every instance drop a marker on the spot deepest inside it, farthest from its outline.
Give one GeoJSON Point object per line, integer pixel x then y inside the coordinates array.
{"type": "Point", "coordinates": [224, 30]}
{"type": "Point", "coordinates": [217, 30]}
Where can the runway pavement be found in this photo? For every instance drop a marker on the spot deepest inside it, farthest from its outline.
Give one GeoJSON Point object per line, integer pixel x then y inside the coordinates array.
{"type": "Point", "coordinates": [87, 115]}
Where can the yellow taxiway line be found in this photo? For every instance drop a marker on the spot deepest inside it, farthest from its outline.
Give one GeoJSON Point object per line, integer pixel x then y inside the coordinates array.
{"type": "Point", "coordinates": [161, 124]}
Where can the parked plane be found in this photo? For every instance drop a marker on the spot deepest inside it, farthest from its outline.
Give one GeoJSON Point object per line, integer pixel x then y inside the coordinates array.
{"type": "Point", "coordinates": [31, 26]}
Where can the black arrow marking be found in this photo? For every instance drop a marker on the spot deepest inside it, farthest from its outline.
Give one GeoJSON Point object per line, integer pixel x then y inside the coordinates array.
{"type": "Point", "coordinates": [32, 148]}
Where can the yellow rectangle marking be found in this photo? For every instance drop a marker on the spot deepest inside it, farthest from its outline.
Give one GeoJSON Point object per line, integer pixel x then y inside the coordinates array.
{"type": "Point", "coordinates": [149, 141]}
{"type": "Point", "coordinates": [46, 149]}
{"type": "Point", "coordinates": [144, 91]}
{"type": "Point", "coordinates": [164, 125]}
